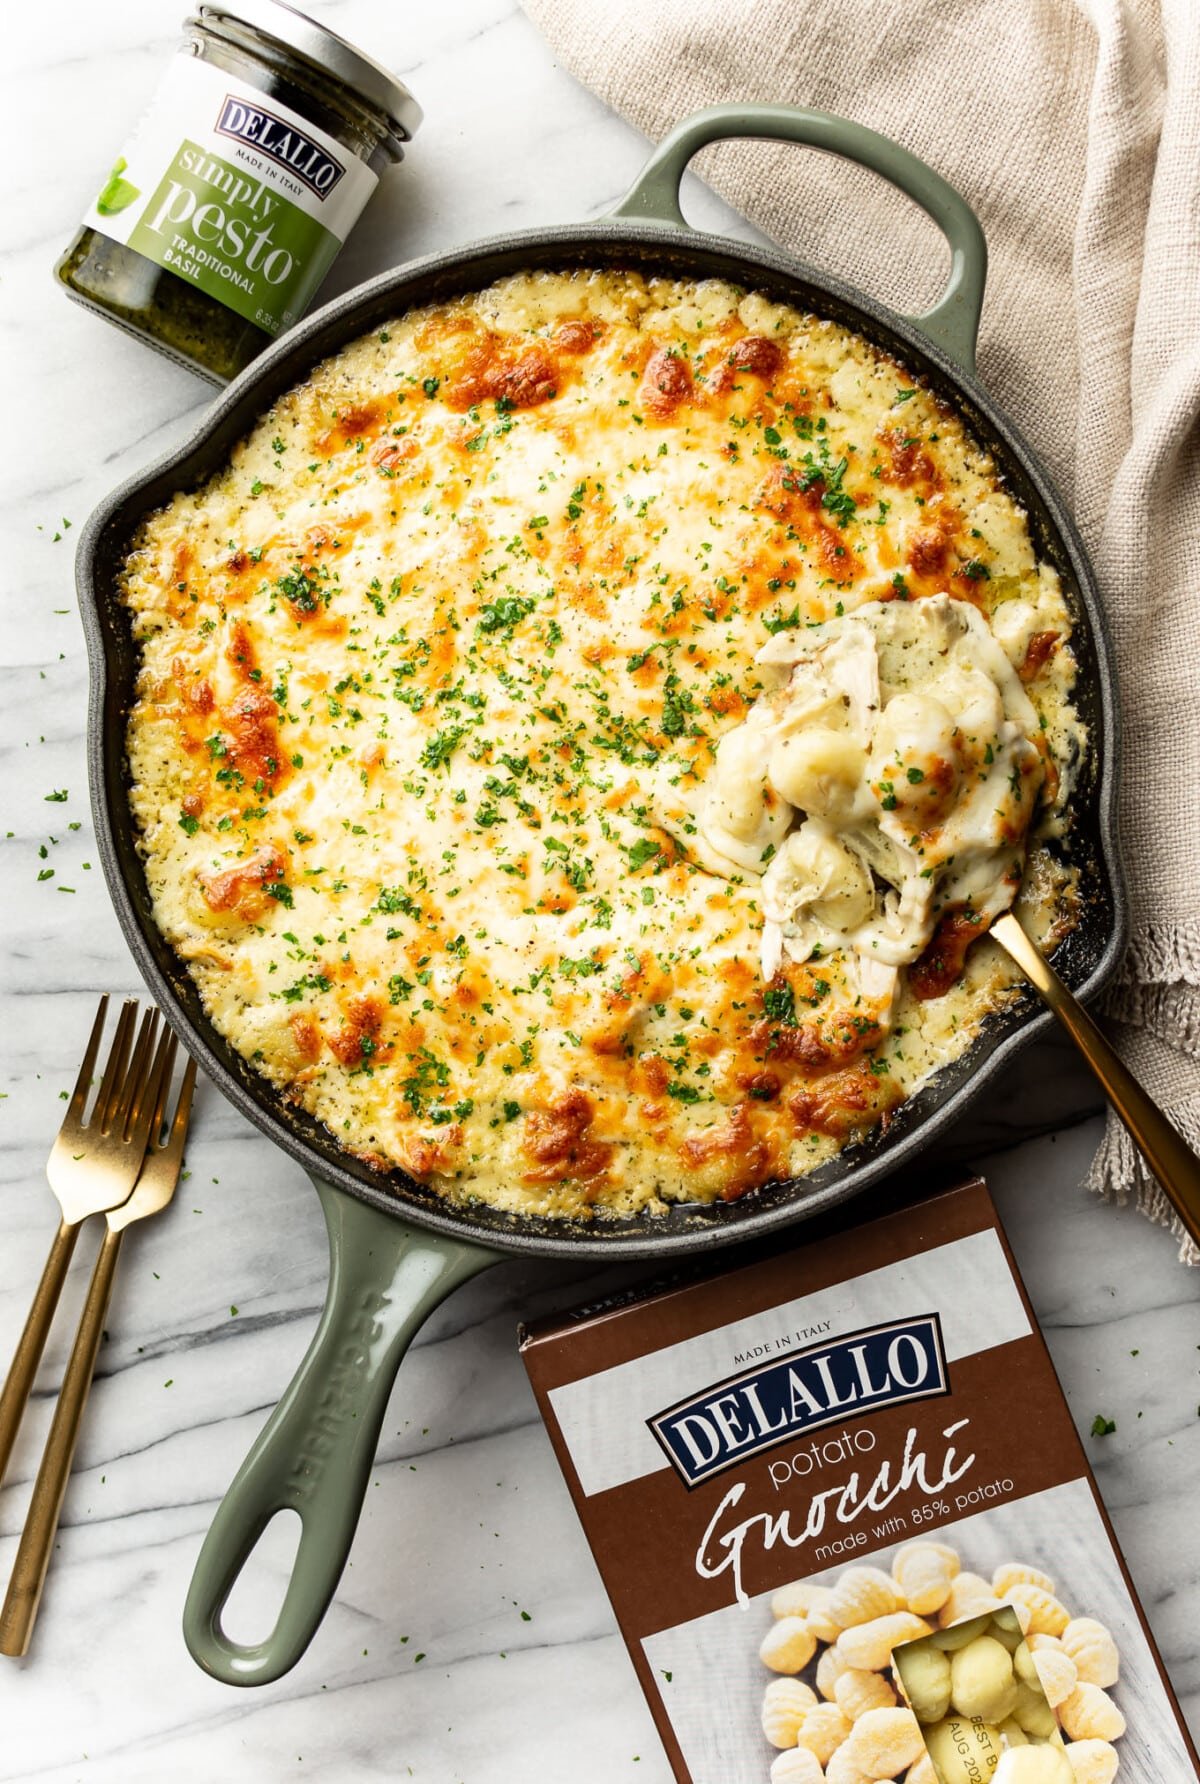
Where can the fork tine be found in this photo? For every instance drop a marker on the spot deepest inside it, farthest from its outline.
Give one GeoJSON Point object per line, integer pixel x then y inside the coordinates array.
{"type": "Point", "coordinates": [183, 1107]}
{"type": "Point", "coordinates": [118, 1058]}
{"type": "Point", "coordinates": [137, 1083]}
{"type": "Point", "coordinates": [158, 1120]}
{"type": "Point", "coordinates": [83, 1082]}
{"type": "Point", "coordinates": [130, 1091]}
{"type": "Point", "coordinates": [152, 1090]}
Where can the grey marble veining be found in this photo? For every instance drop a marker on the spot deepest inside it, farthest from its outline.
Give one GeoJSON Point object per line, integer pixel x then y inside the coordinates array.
{"type": "Point", "coordinates": [467, 1523]}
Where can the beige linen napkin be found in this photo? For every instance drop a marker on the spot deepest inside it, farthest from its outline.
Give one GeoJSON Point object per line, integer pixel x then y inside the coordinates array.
{"type": "Point", "coordinates": [1074, 131]}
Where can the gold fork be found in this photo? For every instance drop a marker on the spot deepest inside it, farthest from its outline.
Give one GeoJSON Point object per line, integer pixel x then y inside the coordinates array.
{"type": "Point", "coordinates": [155, 1187]}
{"type": "Point", "coordinates": [1163, 1147]}
{"type": "Point", "coordinates": [93, 1165]}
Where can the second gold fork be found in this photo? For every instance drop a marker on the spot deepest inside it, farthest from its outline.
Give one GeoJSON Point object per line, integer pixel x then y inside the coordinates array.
{"type": "Point", "coordinates": [155, 1188]}
{"type": "Point", "coordinates": [93, 1165]}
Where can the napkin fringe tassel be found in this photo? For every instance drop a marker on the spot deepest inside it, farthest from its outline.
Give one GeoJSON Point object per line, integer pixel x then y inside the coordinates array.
{"type": "Point", "coordinates": [1162, 953]}
{"type": "Point", "coordinates": [1120, 1174]}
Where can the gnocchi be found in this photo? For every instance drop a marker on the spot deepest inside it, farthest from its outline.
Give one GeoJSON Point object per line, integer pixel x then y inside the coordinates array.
{"type": "Point", "coordinates": [981, 1680]}
{"type": "Point", "coordinates": [788, 1646]}
{"type": "Point", "coordinates": [1093, 1762]}
{"type": "Point", "coordinates": [922, 1772]}
{"type": "Point", "coordinates": [1033, 1765]}
{"type": "Point", "coordinates": [933, 1674]}
{"type": "Point", "coordinates": [843, 1770]}
{"type": "Point", "coordinates": [926, 1679]}
{"type": "Point", "coordinates": [1093, 1650]}
{"type": "Point", "coordinates": [869, 1645]}
{"type": "Point", "coordinates": [925, 1573]}
{"type": "Point", "coordinates": [963, 1751]}
{"type": "Point", "coordinates": [786, 1702]}
{"type": "Point", "coordinates": [830, 1668]}
{"type": "Point", "coordinates": [1089, 1713]}
{"type": "Point", "coordinates": [797, 1767]}
{"type": "Point", "coordinates": [1046, 1615]}
{"type": "Point", "coordinates": [1056, 1674]}
{"type": "Point", "coordinates": [857, 1692]}
{"type": "Point", "coordinates": [884, 1742]}
{"type": "Point", "coordinates": [864, 1594]}
{"type": "Point", "coordinates": [1018, 1573]}
{"type": "Point", "coordinates": [823, 1731]}
{"type": "Point", "coordinates": [969, 1596]}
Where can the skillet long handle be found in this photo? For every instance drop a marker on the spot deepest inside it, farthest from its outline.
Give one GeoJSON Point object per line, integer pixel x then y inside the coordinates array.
{"type": "Point", "coordinates": [953, 322]}
{"type": "Point", "coordinates": [1161, 1144]}
{"type": "Point", "coordinates": [315, 1453]}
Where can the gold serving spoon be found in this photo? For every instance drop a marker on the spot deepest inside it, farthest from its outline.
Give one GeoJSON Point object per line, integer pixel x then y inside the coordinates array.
{"type": "Point", "coordinates": [1164, 1149]}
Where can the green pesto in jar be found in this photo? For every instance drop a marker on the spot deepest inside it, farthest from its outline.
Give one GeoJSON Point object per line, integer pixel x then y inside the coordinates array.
{"type": "Point", "coordinates": [217, 223]}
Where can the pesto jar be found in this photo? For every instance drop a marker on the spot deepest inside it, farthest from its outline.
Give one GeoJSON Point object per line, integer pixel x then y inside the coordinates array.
{"type": "Point", "coordinates": [228, 205]}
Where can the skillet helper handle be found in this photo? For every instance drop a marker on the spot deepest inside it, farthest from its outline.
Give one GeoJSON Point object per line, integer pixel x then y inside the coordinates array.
{"type": "Point", "coordinates": [953, 322]}
{"type": "Point", "coordinates": [1163, 1147]}
{"type": "Point", "coordinates": [315, 1454]}
{"type": "Point", "coordinates": [18, 1385]}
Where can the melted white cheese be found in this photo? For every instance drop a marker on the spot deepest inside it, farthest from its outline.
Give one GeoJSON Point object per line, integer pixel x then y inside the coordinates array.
{"type": "Point", "coordinates": [521, 665]}
{"type": "Point", "coordinates": [901, 742]}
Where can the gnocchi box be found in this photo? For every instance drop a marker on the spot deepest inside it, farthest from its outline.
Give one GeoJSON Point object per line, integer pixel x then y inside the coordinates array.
{"type": "Point", "coordinates": [846, 1523]}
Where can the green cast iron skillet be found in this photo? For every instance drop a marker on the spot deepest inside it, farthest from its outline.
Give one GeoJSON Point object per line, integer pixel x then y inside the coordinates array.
{"type": "Point", "coordinates": [397, 1250]}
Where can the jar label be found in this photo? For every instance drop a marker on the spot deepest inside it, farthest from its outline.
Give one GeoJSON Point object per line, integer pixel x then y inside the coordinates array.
{"type": "Point", "coordinates": [234, 192]}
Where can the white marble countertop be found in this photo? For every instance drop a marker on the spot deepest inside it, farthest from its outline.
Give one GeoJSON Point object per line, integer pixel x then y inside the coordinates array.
{"type": "Point", "coordinates": [469, 1553]}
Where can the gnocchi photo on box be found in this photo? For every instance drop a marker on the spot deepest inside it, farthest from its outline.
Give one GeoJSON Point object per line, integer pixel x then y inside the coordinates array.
{"type": "Point", "coordinates": [846, 1522]}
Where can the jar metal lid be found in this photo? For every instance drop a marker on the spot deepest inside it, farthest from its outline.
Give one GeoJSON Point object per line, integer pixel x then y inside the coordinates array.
{"type": "Point", "coordinates": [326, 52]}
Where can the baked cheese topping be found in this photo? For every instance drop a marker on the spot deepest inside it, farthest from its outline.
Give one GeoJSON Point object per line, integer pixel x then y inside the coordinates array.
{"type": "Point", "coordinates": [457, 688]}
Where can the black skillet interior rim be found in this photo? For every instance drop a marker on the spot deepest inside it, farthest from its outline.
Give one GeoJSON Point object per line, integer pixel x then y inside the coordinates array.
{"type": "Point", "coordinates": [1085, 959]}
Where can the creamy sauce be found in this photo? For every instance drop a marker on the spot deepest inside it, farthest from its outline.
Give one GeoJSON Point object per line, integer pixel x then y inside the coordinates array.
{"type": "Point", "coordinates": [889, 777]}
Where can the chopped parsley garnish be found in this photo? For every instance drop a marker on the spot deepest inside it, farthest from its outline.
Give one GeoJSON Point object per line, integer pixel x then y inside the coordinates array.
{"type": "Point", "coordinates": [678, 703]}
{"type": "Point", "coordinates": [779, 1001]}
{"type": "Point", "coordinates": [643, 850]}
{"type": "Point", "coordinates": [441, 746]}
{"type": "Point", "coordinates": [311, 982]}
{"type": "Point", "coordinates": [822, 469]}
{"type": "Point", "coordinates": [429, 1075]}
{"type": "Point", "coordinates": [508, 611]}
{"type": "Point", "coordinates": [393, 899]}
{"type": "Point", "coordinates": [299, 589]}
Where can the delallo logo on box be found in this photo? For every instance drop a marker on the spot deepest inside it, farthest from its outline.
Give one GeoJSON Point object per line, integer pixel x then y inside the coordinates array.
{"type": "Point", "coordinates": [278, 138]}
{"type": "Point", "coordinates": [804, 1390]}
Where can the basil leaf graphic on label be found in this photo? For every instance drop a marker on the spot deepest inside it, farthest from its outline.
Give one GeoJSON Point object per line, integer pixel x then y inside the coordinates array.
{"type": "Point", "coordinates": [116, 193]}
